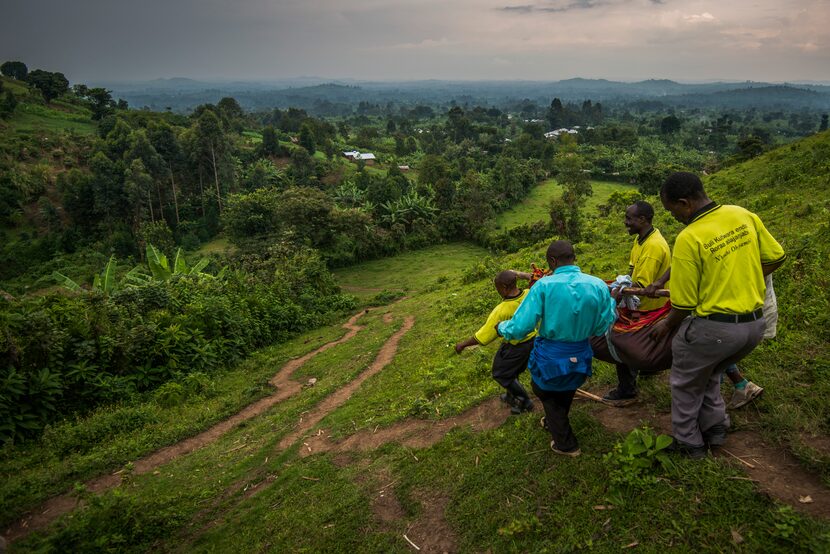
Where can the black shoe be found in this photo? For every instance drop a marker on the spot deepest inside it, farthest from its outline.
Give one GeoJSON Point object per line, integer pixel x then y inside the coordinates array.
{"type": "Point", "coordinates": [687, 450]}
{"type": "Point", "coordinates": [715, 435]}
{"type": "Point", "coordinates": [507, 398]}
{"type": "Point", "coordinates": [521, 405]}
{"type": "Point", "coordinates": [619, 399]}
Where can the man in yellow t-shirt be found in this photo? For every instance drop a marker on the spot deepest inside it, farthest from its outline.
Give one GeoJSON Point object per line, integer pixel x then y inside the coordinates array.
{"type": "Point", "coordinates": [718, 267]}
{"type": "Point", "coordinates": [512, 356]}
{"type": "Point", "coordinates": [650, 259]}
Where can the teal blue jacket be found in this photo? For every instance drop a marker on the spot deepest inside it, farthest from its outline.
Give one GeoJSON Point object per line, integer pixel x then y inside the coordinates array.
{"type": "Point", "coordinates": [567, 306]}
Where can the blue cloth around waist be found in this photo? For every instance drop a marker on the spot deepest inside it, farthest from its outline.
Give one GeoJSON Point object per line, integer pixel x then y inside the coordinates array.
{"type": "Point", "coordinates": [560, 366]}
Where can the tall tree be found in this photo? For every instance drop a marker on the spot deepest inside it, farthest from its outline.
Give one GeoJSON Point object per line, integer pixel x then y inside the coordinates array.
{"type": "Point", "coordinates": [556, 114]}
{"type": "Point", "coordinates": [15, 70]}
{"type": "Point", "coordinates": [101, 100]}
{"type": "Point", "coordinates": [137, 185]}
{"type": "Point", "coordinates": [307, 140]}
{"type": "Point", "coordinates": [154, 164]}
{"type": "Point", "coordinates": [50, 84]}
{"type": "Point", "coordinates": [270, 142]}
{"type": "Point", "coordinates": [212, 147]}
{"type": "Point", "coordinates": [164, 140]}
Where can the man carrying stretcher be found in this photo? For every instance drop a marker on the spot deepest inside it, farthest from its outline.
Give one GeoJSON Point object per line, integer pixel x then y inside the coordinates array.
{"type": "Point", "coordinates": [650, 259]}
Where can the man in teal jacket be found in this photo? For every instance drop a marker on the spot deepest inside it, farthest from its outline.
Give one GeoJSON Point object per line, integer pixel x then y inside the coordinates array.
{"type": "Point", "coordinates": [568, 308]}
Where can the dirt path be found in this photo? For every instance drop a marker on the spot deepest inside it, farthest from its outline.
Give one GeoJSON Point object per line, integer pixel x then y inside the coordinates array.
{"type": "Point", "coordinates": [412, 433]}
{"type": "Point", "coordinates": [285, 388]}
{"type": "Point", "coordinates": [337, 398]}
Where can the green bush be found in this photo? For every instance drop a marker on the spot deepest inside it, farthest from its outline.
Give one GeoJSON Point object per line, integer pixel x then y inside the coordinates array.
{"type": "Point", "coordinates": [64, 353]}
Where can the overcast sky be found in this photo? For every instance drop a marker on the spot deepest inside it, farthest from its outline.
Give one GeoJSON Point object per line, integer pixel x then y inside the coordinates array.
{"type": "Point", "coordinates": [761, 40]}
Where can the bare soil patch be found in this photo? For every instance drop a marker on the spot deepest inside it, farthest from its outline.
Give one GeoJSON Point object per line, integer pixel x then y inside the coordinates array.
{"type": "Point", "coordinates": [778, 473]}
{"type": "Point", "coordinates": [430, 531]}
{"type": "Point", "coordinates": [386, 507]}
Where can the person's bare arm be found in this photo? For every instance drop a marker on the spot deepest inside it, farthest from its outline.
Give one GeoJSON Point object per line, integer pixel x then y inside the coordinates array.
{"type": "Point", "coordinates": [465, 344]}
{"type": "Point", "coordinates": [769, 268]}
{"type": "Point", "coordinates": [522, 275]}
{"type": "Point", "coordinates": [671, 322]}
{"type": "Point", "coordinates": [652, 289]}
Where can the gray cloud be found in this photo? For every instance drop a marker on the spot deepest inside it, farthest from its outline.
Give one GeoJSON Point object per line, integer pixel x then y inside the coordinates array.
{"type": "Point", "coordinates": [419, 39]}
{"type": "Point", "coordinates": [521, 9]}
{"type": "Point", "coordinates": [558, 7]}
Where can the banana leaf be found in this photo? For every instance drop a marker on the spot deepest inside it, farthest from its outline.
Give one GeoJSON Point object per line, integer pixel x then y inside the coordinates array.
{"type": "Point", "coordinates": [107, 283]}
{"type": "Point", "coordinates": [66, 281]}
{"type": "Point", "coordinates": [137, 276]}
{"type": "Point", "coordinates": [200, 265]}
{"type": "Point", "coordinates": [180, 265]}
{"type": "Point", "coordinates": [157, 261]}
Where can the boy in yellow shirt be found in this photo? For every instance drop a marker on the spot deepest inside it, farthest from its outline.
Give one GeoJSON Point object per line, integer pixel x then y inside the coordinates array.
{"type": "Point", "coordinates": [512, 356]}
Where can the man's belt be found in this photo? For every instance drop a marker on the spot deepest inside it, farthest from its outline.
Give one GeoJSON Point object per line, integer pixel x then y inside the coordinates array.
{"type": "Point", "coordinates": [735, 318]}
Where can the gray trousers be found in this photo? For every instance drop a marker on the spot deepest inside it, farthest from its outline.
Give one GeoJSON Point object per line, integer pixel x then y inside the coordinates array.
{"type": "Point", "coordinates": [701, 351]}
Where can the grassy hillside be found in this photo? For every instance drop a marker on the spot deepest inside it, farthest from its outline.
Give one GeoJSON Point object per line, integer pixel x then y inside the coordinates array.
{"type": "Point", "coordinates": [33, 117]}
{"type": "Point", "coordinates": [289, 479]}
{"type": "Point", "coordinates": [535, 206]}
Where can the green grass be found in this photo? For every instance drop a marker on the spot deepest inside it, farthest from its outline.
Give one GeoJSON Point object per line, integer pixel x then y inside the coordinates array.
{"type": "Point", "coordinates": [410, 271]}
{"type": "Point", "coordinates": [535, 206]}
{"type": "Point", "coordinates": [17, 87]}
{"type": "Point", "coordinates": [503, 489]}
{"type": "Point", "coordinates": [30, 118]}
{"type": "Point", "coordinates": [216, 246]}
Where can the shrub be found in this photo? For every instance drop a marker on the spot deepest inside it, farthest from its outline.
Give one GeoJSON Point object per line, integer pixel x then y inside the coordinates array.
{"type": "Point", "coordinates": [65, 353]}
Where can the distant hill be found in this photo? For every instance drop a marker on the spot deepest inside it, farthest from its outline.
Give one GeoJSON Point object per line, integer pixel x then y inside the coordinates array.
{"type": "Point", "coordinates": [322, 97]}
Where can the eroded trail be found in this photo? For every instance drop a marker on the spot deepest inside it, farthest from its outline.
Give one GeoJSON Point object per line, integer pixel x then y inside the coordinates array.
{"type": "Point", "coordinates": [285, 388]}
{"type": "Point", "coordinates": [336, 399]}
{"type": "Point", "coordinates": [413, 433]}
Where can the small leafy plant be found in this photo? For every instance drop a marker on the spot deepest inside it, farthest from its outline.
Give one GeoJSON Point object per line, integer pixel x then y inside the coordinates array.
{"type": "Point", "coordinates": [634, 461]}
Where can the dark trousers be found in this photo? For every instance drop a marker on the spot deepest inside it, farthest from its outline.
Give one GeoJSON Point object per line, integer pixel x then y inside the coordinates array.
{"type": "Point", "coordinates": [626, 380]}
{"type": "Point", "coordinates": [557, 405]}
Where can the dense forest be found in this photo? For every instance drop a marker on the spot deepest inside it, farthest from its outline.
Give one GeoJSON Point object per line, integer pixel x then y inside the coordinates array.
{"type": "Point", "coordinates": [90, 187]}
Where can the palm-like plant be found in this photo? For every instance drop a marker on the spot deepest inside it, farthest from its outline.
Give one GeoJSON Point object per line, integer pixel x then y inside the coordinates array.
{"type": "Point", "coordinates": [160, 270]}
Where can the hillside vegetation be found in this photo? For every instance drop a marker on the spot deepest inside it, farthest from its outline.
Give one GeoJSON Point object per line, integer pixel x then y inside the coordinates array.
{"type": "Point", "coordinates": [278, 483]}
{"type": "Point", "coordinates": [215, 403]}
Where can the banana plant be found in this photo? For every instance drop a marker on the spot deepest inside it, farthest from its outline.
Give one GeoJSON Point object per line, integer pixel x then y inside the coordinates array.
{"type": "Point", "coordinates": [105, 282]}
{"type": "Point", "coordinates": [162, 269]}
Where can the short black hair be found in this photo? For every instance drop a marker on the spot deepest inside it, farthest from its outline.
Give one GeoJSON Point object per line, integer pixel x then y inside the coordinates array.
{"type": "Point", "coordinates": [682, 184]}
{"type": "Point", "coordinates": [560, 250]}
{"type": "Point", "coordinates": [644, 209]}
{"type": "Point", "coordinates": [506, 279]}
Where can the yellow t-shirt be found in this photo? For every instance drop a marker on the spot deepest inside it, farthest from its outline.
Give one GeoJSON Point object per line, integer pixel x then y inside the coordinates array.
{"type": "Point", "coordinates": [650, 259]}
{"type": "Point", "coordinates": [716, 267]}
{"type": "Point", "coordinates": [502, 312]}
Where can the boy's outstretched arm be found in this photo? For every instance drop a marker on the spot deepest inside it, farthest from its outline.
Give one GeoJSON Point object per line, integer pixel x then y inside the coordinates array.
{"type": "Point", "coordinates": [522, 275]}
{"type": "Point", "coordinates": [464, 344]}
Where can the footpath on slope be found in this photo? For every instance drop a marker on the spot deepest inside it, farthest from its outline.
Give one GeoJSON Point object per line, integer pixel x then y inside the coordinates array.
{"type": "Point", "coordinates": [774, 471]}
{"type": "Point", "coordinates": [59, 505]}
